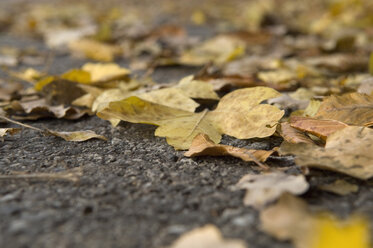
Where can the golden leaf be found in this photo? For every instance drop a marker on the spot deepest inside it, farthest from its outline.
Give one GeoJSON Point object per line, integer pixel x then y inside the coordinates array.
{"type": "Point", "coordinates": [103, 72]}
{"type": "Point", "coordinates": [331, 232]}
{"type": "Point", "coordinates": [238, 114]}
{"type": "Point", "coordinates": [77, 75]}
{"type": "Point", "coordinates": [94, 50]}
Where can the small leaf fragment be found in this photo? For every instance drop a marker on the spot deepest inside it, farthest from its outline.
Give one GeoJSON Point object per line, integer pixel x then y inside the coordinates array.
{"type": "Point", "coordinates": [77, 136]}
{"type": "Point", "coordinates": [11, 131]}
{"type": "Point", "coordinates": [94, 50]}
{"type": "Point", "coordinates": [265, 188]}
{"type": "Point", "coordinates": [208, 236]}
{"type": "Point", "coordinates": [340, 187]}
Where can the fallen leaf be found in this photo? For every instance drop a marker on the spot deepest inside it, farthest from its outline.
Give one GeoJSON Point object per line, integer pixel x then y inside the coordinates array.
{"type": "Point", "coordinates": [197, 89]}
{"type": "Point", "coordinates": [264, 188]}
{"type": "Point", "coordinates": [282, 76]}
{"type": "Point", "coordinates": [72, 175]}
{"type": "Point", "coordinates": [176, 96]}
{"type": "Point", "coordinates": [347, 151]}
{"type": "Point", "coordinates": [290, 219]}
{"type": "Point", "coordinates": [39, 108]}
{"type": "Point", "coordinates": [8, 90]}
{"type": "Point", "coordinates": [351, 108]}
{"type": "Point", "coordinates": [95, 50]}
{"type": "Point", "coordinates": [11, 131]}
{"type": "Point", "coordinates": [104, 72]}
{"type": "Point", "coordinates": [320, 128]}
{"type": "Point", "coordinates": [238, 114]}
{"type": "Point", "coordinates": [208, 236]}
{"type": "Point", "coordinates": [340, 187]}
{"type": "Point", "coordinates": [57, 38]}
{"type": "Point", "coordinates": [219, 49]}
{"type": "Point", "coordinates": [202, 145]}
{"type": "Point", "coordinates": [339, 62]}
{"type": "Point", "coordinates": [366, 86]}
{"type": "Point", "coordinates": [76, 136]}
{"type": "Point", "coordinates": [78, 76]}
{"type": "Point", "coordinates": [312, 108]}
{"type": "Point", "coordinates": [61, 91]}
{"type": "Point", "coordinates": [29, 75]}
{"type": "Point", "coordinates": [178, 126]}
{"type": "Point", "coordinates": [292, 135]}
{"type": "Point", "coordinates": [285, 101]}
{"type": "Point", "coordinates": [179, 96]}
{"type": "Point", "coordinates": [331, 232]}
{"type": "Point", "coordinates": [170, 97]}
{"type": "Point", "coordinates": [97, 74]}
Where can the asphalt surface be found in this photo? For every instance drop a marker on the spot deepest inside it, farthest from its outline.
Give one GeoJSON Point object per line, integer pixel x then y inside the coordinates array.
{"type": "Point", "coordinates": [135, 191]}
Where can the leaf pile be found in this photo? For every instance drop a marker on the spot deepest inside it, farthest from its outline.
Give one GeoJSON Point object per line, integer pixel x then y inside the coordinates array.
{"type": "Point", "coordinates": [301, 71]}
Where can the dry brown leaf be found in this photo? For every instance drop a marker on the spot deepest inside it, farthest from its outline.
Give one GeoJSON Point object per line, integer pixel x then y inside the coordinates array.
{"type": "Point", "coordinates": [265, 188]}
{"type": "Point", "coordinates": [208, 236]}
{"type": "Point", "coordinates": [319, 128]}
{"type": "Point", "coordinates": [202, 145]}
{"type": "Point", "coordinates": [35, 109]}
{"type": "Point", "coordinates": [238, 114]}
{"type": "Point", "coordinates": [76, 136]}
{"type": "Point", "coordinates": [293, 135]}
{"type": "Point", "coordinates": [340, 187]}
{"type": "Point", "coordinates": [351, 108]}
{"type": "Point", "coordinates": [61, 91]}
{"type": "Point", "coordinates": [348, 151]}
